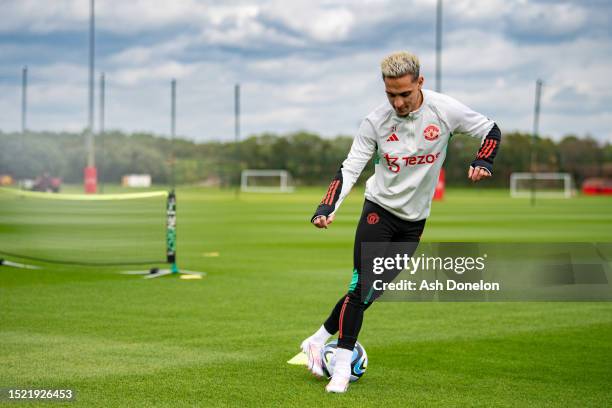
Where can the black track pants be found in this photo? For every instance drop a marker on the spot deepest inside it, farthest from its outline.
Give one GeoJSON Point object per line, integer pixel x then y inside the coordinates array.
{"type": "Point", "coordinates": [375, 225]}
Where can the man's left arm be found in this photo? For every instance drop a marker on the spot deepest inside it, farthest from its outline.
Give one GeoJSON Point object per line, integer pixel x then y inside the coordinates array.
{"type": "Point", "coordinates": [482, 166]}
{"type": "Point", "coordinates": [465, 120]}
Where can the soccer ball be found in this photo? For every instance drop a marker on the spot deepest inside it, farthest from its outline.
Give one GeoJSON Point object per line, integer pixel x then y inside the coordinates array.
{"type": "Point", "coordinates": [359, 362]}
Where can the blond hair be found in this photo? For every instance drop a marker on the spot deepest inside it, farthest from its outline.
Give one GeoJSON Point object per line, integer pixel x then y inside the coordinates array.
{"type": "Point", "coordinates": [399, 64]}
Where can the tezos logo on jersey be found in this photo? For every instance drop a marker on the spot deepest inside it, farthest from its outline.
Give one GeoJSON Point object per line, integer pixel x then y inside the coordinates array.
{"type": "Point", "coordinates": [431, 132]}
{"type": "Point", "coordinates": [373, 218]}
{"type": "Point", "coordinates": [394, 163]}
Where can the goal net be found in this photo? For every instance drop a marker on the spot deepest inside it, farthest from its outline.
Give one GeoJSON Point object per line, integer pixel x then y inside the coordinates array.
{"type": "Point", "coordinates": [551, 185]}
{"type": "Point", "coordinates": [266, 181]}
{"type": "Point", "coordinates": [97, 230]}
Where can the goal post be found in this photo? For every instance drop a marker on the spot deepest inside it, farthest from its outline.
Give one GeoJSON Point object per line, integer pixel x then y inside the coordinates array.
{"type": "Point", "coordinates": [266, 181]}
{"type": "Point", "coordinates": [545, 185]}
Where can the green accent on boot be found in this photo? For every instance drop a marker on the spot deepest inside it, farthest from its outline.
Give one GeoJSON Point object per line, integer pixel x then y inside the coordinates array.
{"type": "Point", "coordinates": [354, 281]}
{"type": "Point", "coordinates": [369, 297]}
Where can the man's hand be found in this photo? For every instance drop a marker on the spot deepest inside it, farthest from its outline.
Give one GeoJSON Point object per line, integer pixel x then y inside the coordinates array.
{"type": "Point", "coordinates": [478, 173]}
{"type": "Point", "coordinates": [322, 221]}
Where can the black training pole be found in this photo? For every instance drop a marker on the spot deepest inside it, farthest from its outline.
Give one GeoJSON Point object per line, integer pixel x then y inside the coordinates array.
{"type": "Point", "coordinates": [171, 232]}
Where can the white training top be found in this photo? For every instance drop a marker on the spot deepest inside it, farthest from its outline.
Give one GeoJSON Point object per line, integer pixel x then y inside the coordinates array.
{"type": "Point", "coordinates": [411, 151]}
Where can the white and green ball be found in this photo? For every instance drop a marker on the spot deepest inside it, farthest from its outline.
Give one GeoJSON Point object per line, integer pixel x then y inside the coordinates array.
{"type": "Point", "coordinates": [359, 360]}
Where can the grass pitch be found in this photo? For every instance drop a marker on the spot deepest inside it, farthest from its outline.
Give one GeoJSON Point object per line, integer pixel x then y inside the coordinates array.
{"type": "Point", "coordinates": [224, 340]}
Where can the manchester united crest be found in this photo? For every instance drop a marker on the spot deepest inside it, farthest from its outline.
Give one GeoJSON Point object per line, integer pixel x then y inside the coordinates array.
{"type": "Point", "coordinates": [431, 132]}
{"type": "Point", "coordinates": [373, 218]}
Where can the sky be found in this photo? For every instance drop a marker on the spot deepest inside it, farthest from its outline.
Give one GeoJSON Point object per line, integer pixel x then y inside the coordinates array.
{"type": "Point", "coordinates": [302, 64]}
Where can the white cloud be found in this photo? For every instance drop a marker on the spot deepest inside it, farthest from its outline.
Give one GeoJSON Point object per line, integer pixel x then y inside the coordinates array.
{"type": "Point", "coordinates": [474, 51]}
{"type": "Point", "coordinates": [471, 11]}
{"type": "Point", "coordinates": [323, 24]}
{"type": "Point", "coordinates": [143, 55]}
{"type": "Point", "coordinates": [60, 73]}
{"type": "Point", "coordinates": [546, 19]}
{"type": "Point", "coordinates": [10, 108]}
{"type": "Point", "coordinates": [158, 73]}
{"type": "Point", "coordinates": [42, 17]}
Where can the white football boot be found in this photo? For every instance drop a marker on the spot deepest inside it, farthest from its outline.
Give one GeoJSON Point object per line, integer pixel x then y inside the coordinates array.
{"type": "Point", "coordinates": [312, 350]}
{"type": "Point", "coordinates": [339, 383]}
{"type": "Point", "coordinates": [342, 371]}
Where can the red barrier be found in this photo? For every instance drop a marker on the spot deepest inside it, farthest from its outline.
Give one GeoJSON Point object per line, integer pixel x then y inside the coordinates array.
{"type": "Point", "coordinates": [91, 180]}
{"type": "Point", "coordinates": [597, 186]}
{"type": "Point", "coordinates": [440, 187]}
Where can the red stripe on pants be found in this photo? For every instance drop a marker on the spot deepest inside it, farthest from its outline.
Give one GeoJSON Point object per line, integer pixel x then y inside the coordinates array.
{"type": "Point", "coordinates": [346, 299]}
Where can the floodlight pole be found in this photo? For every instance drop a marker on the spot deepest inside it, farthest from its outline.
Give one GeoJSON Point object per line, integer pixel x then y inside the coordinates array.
{"type": "Point", "coordinates": [439, 46]}
{"type": "Point", "coordinates": [237, 129]}
{"type": "Point", "coordinates": [24, 100]}
{"type": "Point", "coordinates": [24, 107]}
{"type": "Point", "coordinates": [442, 175]}
{"type": "Point", "coordinates": [534, 138]}
{"type": "Point", "coordinates": [102, 102]}
{"type": "Point", "coordinates": [91, 178]}
{"type": "Point", "coordinates": [172, 131]}
{"type": "Point", "coordinates": [92, 32]}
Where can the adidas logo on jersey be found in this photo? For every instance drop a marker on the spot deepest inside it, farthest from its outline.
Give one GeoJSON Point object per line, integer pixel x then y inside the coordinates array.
{"type": "Point", "coordinates": [393, 138]}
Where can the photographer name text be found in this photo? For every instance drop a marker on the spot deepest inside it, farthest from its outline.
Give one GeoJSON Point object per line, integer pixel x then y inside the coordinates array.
{"type": "Point", "coordinates": [437, 285]}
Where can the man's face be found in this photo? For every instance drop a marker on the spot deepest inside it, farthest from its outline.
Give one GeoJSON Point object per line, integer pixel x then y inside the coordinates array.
{"type": "Point", "coordinates": [404, 93]}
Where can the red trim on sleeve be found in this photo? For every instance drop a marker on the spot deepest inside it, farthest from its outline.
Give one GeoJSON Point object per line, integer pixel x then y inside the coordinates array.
{"type": "Point", "coordinates": [483, 148]}
{"type": "Point", "coordinates": [329, 189]}
{"type": "Point", "coordinates": [333, 193]}
{"type": "Point", "coordinates": [488, 152]}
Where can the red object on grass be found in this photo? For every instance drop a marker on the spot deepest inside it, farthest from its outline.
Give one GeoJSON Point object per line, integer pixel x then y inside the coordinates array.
{"type": "Point", "coordinates": [440, 187]}
{"type": "Point", "coordinates": [597, 186]}
{"type": "Point", "coordinates": [91, 180]}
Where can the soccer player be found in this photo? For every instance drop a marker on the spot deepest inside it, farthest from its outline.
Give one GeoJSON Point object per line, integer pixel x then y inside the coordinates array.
{"type": "Point", "coordinates": [409, 136]}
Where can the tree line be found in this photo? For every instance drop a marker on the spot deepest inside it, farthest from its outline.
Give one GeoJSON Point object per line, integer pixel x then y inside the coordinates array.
{"type": "Point", "coordinates": [310, 158]}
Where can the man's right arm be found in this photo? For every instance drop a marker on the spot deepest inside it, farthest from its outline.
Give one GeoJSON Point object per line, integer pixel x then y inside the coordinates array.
{"type": "Point", "coordinates": [361, 151]}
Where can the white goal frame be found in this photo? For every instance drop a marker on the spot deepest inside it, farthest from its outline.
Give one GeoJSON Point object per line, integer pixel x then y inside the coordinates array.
{"type": "Point", "coordinates": [283, 175]}
{"type": "Point", "coordinates": [567, 185]}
